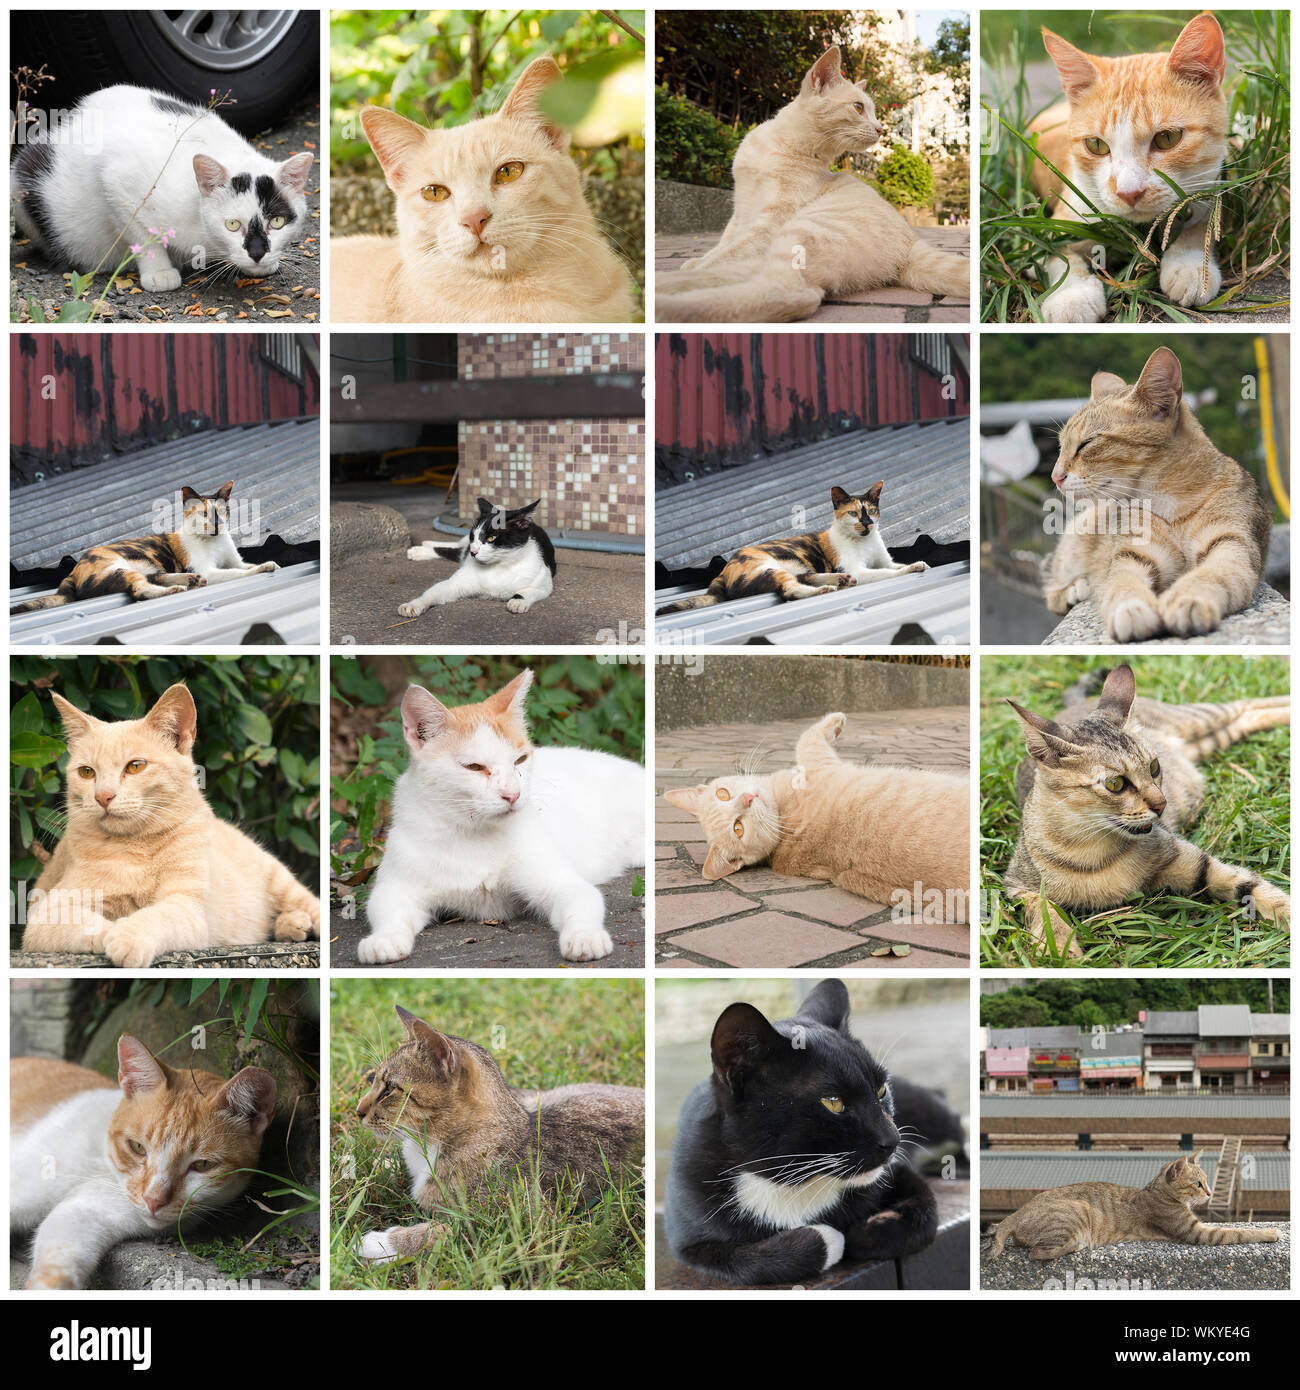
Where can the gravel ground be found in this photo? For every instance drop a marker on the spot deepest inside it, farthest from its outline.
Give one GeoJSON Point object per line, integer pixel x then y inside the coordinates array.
{"type": "Point", "coordinates": [1142, 1265]}
{"type": "Point", "coordinates": [273, 955]}
{"type": "Point", "coordinates": [297, 282]}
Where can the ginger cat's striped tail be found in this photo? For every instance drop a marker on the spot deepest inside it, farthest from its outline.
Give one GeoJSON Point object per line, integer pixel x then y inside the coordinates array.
{"type": "Point", "coordinates": [932, 271]}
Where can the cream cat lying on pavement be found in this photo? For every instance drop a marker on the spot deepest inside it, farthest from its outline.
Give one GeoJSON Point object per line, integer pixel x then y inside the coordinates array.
{"type": "Point", "coordinates": [92, 1165]}
{"type": "Point", "coordinates": [86, 201]}
{"type": "Point", "coordinates": [486, 826]}
{"type": "Point", "coordinates": [873, 830]}
{"type": "Point", "coordinates": [144, 867]}
{"type": "Point", "coordinates": [800, 232]}
{"type": "Point", "coordinates": [492, 226]}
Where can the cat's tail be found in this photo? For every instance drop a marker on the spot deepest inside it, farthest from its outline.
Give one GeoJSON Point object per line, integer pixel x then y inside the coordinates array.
{"type": "Point", "coordinates": [935, 272]}
{"type": "Point", "coordinates": [686, 604]}
{"type": "Point", "coordinates": [34, 604]}
{"type": "Point", "coordinates": [1001, 1234]}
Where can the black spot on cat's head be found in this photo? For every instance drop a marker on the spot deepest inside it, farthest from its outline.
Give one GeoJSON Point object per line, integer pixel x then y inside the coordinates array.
{"type": "Point", "coordinates": [241, 183]}
{"type": "Point", "coordinates": [272, 201]}
{"type": "Point", "coordinates": [170, 106]}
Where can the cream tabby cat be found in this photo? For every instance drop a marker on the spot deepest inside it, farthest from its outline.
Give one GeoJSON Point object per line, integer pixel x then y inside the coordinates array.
{"type": "Point", "coordinates": [1142, 446]}
{"type": "Point", "coordinates": [92, 1164]}
{"type": "Point", "coordinates": [799, 231]}
{"type": "Point", "coordinates": [144, 867]}
{"type": "Point", "coordinates": [492, 225]}
{"type": "Point", "coordinates": [1124, 122]}
{"type": "Point", "coordinates": [870, 829]}
{"type": "Point", "coordinates": [1086, 1214]}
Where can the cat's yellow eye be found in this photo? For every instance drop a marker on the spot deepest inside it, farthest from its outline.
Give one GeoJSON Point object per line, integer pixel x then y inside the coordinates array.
{"type": "Point", "coordinates": [87, 774]}
{"type": "Point", "coordinates": [1094, 145]}
{"type": "Point", "coordinates": [833, 1103]}
{"type": "Point", "coordinates": [136, 765]}
{"type": "Point", "coordinates": [858, 107]}
{"type": "Point", "coordinates": [1155, 767]}
{"type": "Point", "coordinates": [1166, 139]}
{"type": "Point", "coordinates": [474, 767]}
{"type": "Point", "coordinates": [738, 826]}
{"type": "Point", "coordinates": [136, 1147]}
{"type": "Point", "coordinates": [435, 193]}
{"type": "Point", "coordinates": [1114, 784]}
{"type": "Point", "coordinates": [509, 171]}
{"type": "Point", "coordinates": [233, 224]}
{"type": "Point", "coordinates": [723, 794]}
{"type": "Point", "coordinates": [203, 1165]}
{"type": "Point", "coordinates": [880, 1094]}
{"type": "Point", "coordinates": [276, 222]}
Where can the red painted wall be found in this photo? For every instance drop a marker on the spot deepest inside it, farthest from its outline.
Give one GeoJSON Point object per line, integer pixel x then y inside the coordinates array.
{"type": "Point", "coordinates": [78, 396]}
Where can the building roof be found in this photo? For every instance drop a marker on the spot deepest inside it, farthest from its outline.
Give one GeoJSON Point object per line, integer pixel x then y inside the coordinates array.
{"type": "Point", "coordinates": [1152, 1105]}
{"type": "Point", "coordinates": [1223, 1020]}
{"type": "Point", "coordinates": [1170, 1023]}
{"type": "Point", "coordinates": [1046, 1036]}
{"type": "Point", "coordinates": [1001, 1168]}
{"type": "Point", "coordinates": [1270, 1025]}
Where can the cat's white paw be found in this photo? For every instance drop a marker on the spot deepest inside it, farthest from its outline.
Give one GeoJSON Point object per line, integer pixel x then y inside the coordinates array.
{"type": "Point", "coordinates": [292, 926]}
{"type": "Point", "coordinates": [375, 1247]}
{"type": "Point", "coordinates": [166, 278]}
{"type": "Point", "coordinates": [266, 567]}
{"type": "Point", "coordinates": [128, 946]}
{"type": "Point", "coordinates": [518, 605]}
{"type": "Point", "coordinates": [832, 725]}
{"type": "Point", "coordinates": [383, 948]}
{"type": "Point", "coordinates": [1081, 299]}
{"type": "Point", "coordinates": [834, 1244]}
{"type": "Point", "coordinates": [412, 609]}
{"type": "Point", "coordinates": [420, 552]}
{"type": "Point", "coordinates": [1133, 620]}
{"type": "Point", "coordinates": [1181, 282]}
{"type": "Point", "coordinates": [799, 778]}
{"type": "Point", "coordinates": [585, 943]}
{"type": "Point", "coordinates": [916, 567]}
{"type": "Point", "coordinates": [1268, 902]}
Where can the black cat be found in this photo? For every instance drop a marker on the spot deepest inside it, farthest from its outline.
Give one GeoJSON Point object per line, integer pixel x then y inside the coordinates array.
{"type": "Point", "coordinates": [788, 1158]}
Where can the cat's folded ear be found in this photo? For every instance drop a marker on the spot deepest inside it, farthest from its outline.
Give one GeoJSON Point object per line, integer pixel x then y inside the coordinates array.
{"type": "Point", "coordinates": [1198, 54]}
{"type": "Point", "coordinates": [174, 717]}
{"type": "Point", "coordinates": [138, 1070]}
{"type": "Point", "coordinates": [249, 1096]}
{"type": "Point", "coordinates": [510, 698]}
{"type": "Point", "coordinates": [395, 141]}
{"type": "Point", "coordinates": [1047, 742]}
{"type": "Point", "coordinates": [210, 174]}
{"type": "Point", "coordinates": [1077, 71]}
{"type": "Point", "coordinates": [439, 1051]}
{"type": "Point", "coordinates": [75, 721]}
{"type": "Point", "coordinates": [742, 1040]}
{"type": "Point", "coordinates": [828, 1004]}
{"type": "Point", "coordinates": [523, 103]}
{"type": "Point", "coordinates": [1117, 695]}
{"type": "Point", "coordinates": [1160, 387]}
{"type": "Point", "coordinates": [825, 72]}
{"type": "Point", "coordinates": [423, 717]}
{"type": "Point", "coordinates": [716, 864]}
{"type": "Point", "coordinates": [292, 174]}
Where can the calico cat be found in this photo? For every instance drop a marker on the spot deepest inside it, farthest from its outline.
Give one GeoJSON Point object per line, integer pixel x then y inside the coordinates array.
{"type": "Point", "coordinates": [1087, 1214]}
{"type": "Point", "coordinates": [800, 232]}
{"type": "Point", "coordinates": [1141, 448]}
{"type": "Point", "coordinates": [791, 1156]}
{"type": "Point", "coordinates": [142, 845]}
{"type": "Point", "coordinates": [874, 830]}
{"type": "Point", "coordinates": [87, 200]}
{"type": "Point", "coordinates": [92, 1164]}
{"type": "Point", "coordinates": [461, 1127]}
{"type": "Point", "coordinates": [848, 552]}
{"type": "Point", "coordinates": [1123, 123]}
{"type": "Point", "coordinates": [199, 552]}
{"type": "Point", "coordinates": [485, 826]}
{"type": "Point", "coordinates": [1105, 790]}
{"type": "Point", "coordinates": [492, 226]}
{"type": "Point", "coordinates": [506, 555]}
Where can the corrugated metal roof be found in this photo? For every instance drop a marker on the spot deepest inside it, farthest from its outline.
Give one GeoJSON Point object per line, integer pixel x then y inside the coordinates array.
{"type": "Point", "coordinates": [1053, 1168]}
{"type": "Point", "coordinates": [1170, 1023]}
{"type": "Point", "coordinates": [1271, 1025]}
{"type": "Point", "coordinates": [1102, 1044]}
{"type": "Point", "coordinates": [1224, 1020]}
{"type": "Point", "coordinates": [1149, 1105]}
{"type": "Point", "coordinates": [276, 466]}
{"type": "Point", "coordinates": [288, 601]}
{"type": "Point", "coordinates": [925, 468]}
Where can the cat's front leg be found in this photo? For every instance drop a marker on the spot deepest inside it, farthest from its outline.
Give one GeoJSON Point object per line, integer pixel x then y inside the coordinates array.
{"type": "Point", "coordinates": [1080, 297]}
{"type": "Point", "coordinates": [526, 597]}
{"type": "Point", "coordinates": [1189, 269]}
{"type": "Point", "coordinates": [225, 574]}
{"type": "Point", "coordinates": [157, 273]}
{"type": "Point", "coordinates": [177, 922]}
{"type": "Point", "coordinates": [1194, 871]}
{"type": "Point", "coordinates": [789, 1257]}
{"type": "Point", "coordinates": [400, 1242]}
{"type": "Point", "coordinates": [813, 750]}
{"type": "Point", "coordinates": [397, 913]}
{"type": "Point", "coordinates": [75, 1236]}
{"type": "Point", "coordinates": [445, 591]}
{"type": "Point", "coordinates": [62, 916]}
{"type": "Point", "coordinates": [909, 1223]}
{"type": "Point", "coordinates": [1223, 583]}
{"type": "Point", "coordinates": [1129, 606]}
{"type": "Point", "coordinates": [574, 907]}
{"type": "Point", "coordinates": [1060, 931]}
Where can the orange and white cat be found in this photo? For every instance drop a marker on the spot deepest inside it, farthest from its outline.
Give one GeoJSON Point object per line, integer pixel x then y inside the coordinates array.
{"type": "Point", "coordinates": [1125, 122]}
{"type": "Point", "coordinates": [92, 1164]}
{"type": "Point", "coordinates": [492, 226]}
{"type": "Point", "coordinates": [144, 866]}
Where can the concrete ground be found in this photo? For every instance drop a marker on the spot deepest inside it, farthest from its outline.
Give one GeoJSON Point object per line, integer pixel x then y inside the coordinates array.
{"type": "Point", "coordinates": [521, 944]}
{"type": "Point", "coordinates": [297, 281]}
{"type": "Point", "coordinates": [893, 305]}
{"type": "Point", "coordinates": [166, 1266]}
{"type": "Point", "coordinates": [758, 918]}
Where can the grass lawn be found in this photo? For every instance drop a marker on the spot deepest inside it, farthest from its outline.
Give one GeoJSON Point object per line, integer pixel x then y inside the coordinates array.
{"type": "Point", "coordinates": [1246, 820]}
{"type": "Point", "coordinates": [1250, 207]}
{"type": "Point", "coordinates": [542, 1033]}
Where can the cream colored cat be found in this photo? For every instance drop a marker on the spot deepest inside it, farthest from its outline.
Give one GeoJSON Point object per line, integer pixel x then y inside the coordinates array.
{"type": "Point", "coordinates": [872, 830]}
{"type": "Point", "coordinates": [800, 232]}
{"type": "Point", "coordinates": [492, 225]}
{"type": "Point", "coordinates": [144, 867]}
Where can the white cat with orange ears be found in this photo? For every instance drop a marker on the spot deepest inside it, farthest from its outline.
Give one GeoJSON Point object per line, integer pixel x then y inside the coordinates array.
{"type": "Point", "coordinates": [486, 826]}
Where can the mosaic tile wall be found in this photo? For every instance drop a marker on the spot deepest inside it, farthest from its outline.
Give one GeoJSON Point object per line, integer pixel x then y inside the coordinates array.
{"type": "Point", "coordinates": [591, 474]}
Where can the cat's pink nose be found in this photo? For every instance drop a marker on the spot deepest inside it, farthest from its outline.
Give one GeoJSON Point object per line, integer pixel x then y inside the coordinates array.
{"type": "Point", "coordinates": [1132, 199]}
{"type": "Point", "coordinates": [156, 1201]}
{"type": "Point", "coordinates": [510, 797]}
{"type": "Point", "coordinates": [747, 799]}
{"type": "Point", "coordinates": [476, 221]}
{"type": "Point", "coordinates": [104, 797]}
{"type": "Point", "coordinates": [1058, 476]}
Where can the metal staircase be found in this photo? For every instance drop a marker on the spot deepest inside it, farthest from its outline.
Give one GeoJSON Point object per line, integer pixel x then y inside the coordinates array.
{"type": "Point", "coordinates": [1227, 1182]}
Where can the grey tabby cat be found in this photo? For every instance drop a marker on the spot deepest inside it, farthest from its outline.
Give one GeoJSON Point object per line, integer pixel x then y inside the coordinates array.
{"type": "Point", "coordinates": [1104, 791]}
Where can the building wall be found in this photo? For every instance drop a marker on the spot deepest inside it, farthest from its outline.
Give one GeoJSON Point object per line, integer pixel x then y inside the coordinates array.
{"type": "Point", "coordinates": [590, 474]}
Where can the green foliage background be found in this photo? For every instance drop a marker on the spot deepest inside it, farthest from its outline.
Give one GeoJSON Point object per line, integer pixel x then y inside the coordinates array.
{"type": "Point", "coordinates": [906, 179]}
{"type": "Point", "coordinates": [258, 739]}
{"type": "Point", "coordinates": [1101, 1000]}
{"type": "Point", "coordinates": [575, 701]}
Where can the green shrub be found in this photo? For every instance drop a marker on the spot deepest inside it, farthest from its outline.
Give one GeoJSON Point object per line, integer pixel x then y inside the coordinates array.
{"type": "Point", "coordinates": [690, 145]}
{"type": "Point", "coordinates": [906, 179]}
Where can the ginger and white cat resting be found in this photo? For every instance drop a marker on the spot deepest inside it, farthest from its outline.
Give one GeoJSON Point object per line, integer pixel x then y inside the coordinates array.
{"type": "Point", "coordinates": [144, 867]}
{"type": "Point", "coordinates": [485, 825]}
{"type": "Point", "coordinates": [801, 232]}
{"type": "Point", "coordinates": [492, 225]}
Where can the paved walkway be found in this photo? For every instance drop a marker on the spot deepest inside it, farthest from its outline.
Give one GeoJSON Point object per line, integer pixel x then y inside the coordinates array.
{"type": "Point", "coordinates": [893, 305]}
{"type": "Point", "coordinates": [758, 918]}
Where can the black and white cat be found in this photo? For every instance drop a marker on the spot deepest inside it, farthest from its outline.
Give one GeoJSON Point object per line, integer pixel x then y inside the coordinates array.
{"type": "Point", "coordinates": [505, 556]}
{"type": "Point", "coordinates": [91, 188]}
{"type": "Point", "coordinates": [789, 1158]}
